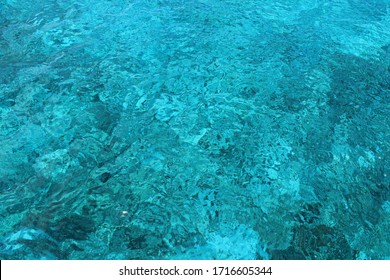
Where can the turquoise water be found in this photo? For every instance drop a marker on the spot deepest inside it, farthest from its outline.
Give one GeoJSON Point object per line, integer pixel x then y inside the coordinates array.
{"type": "Point", "coordinates": [195, 129]}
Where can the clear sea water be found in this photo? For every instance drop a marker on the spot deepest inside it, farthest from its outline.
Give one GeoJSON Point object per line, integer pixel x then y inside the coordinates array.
{"type": "Point", "coordinates": [195, 129]}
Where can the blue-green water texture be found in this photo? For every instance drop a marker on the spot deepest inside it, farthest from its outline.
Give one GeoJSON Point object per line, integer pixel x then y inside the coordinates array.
{"type": "Point", "coordinates": [195, 129]}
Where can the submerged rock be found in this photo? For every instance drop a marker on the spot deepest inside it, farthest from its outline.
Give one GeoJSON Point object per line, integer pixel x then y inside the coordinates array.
{"type": "Point", "coordinates": [29, 243]}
